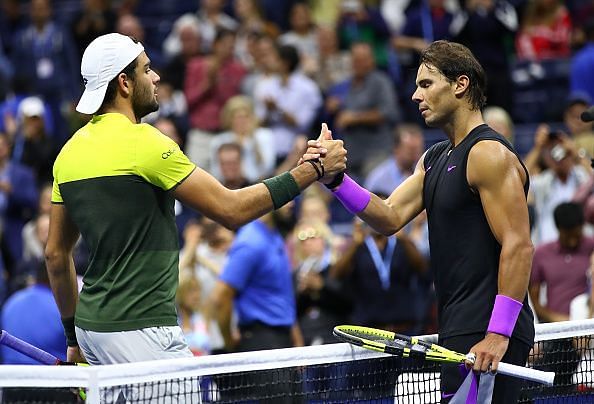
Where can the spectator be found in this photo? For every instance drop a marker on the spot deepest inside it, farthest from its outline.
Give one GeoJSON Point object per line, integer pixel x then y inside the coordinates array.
{"type": "Point", "coordinates": [18, 202]}
{"type": "Point", "coordinates": [487, 27]}
{"type": "Point", "coordinates": [212, 19]}
{"type": "Point", "coordinates": [202, 257]}
{"type": "Point", "coordinates": [426, 21]}
{"type": "Point", "coordinates": [6, 73]}
{"type": "Point", "coordinates": [172, 44]}
{"type": "Point", "coordinates": [385, 272]}
{"type": "Point", "coordinates": [359, 22]}
{"type": "Point", "coordinates": [96, 18]}
{"type": "Point", "coordinates": [45, 55]}
{"type": "Point", "coordinates": [32, 315]}
{"type": "Point", "coordinates": [12, 21]}
{"type": "Point", "coordinates": [313, 207]}
{"type": "Point", "coordinates": [365, 113]}
{"type": "Point", "coordinates": [130, 25]}
{"type": "Point", "coordinates": [555, 185]}
{"type": "Point", "coordinates": [194, 317]}
{"type": "Point", "coordinates": [206, 244]}
{"type": "Point", "coordinates": [561, 265]}
{"type": "Point", "coordinates": [168, 127]}
{"type": "Point", "coordinates": [321, 302]}
{"type": "Point", "coordinates": [582, 64]}
{"type": "Point", "coordinates": [500, 121]}
{"type": "Point", "coordinates": [581, 132]}
{"type": "Point", "coordinates": [333, 65]}
{"type": "Point", "coordinates": [251, 21]}
{"type": "Point", "coordinates": [302, 36]}
{"type": "Point", "coordinates": [409, 145]}
{"type": "Point", "coordinates": [25, 270]}
{"type": "Point", "coordinates": [256, 281]}
{"type": "Point", "coordinates": [186, 35]}
{"type": "Point", "coordinates": [32, 247]}
{"type": "Point", "coordinates": [265, 61]}
{"type": "Point", "coordinates": [210, 81]}
{"type": "Point", "coordinates": [32, 146]}
{"type": "Point", "coordinates": [287, 102]}
{"type": "Point", "coordinates": [230, 159]}
{"type": "Point", "coordinates": [257, 144]}
{"type": "Point", "coordinates": [545, 32]}
{"type": "Point", "coordinates": [172, 105]}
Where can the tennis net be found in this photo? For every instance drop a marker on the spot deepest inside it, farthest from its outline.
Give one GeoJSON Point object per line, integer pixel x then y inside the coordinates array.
{"type": "Point", "coordinates": [333, 373]}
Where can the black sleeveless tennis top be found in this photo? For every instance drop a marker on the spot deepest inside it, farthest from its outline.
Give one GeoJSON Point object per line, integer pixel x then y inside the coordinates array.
{"type": "Point", "coordinates": [464, 251]}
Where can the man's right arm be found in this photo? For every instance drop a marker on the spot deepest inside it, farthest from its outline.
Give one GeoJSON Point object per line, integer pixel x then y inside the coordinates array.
{"type": "Point", "coordinates": [233, 208]}
{"type": "Point", "coordinates": [62, 238]}
{"type": "Point", "coordinates": [404, 204]}
{"type": "Point", "coordinates": [63, 235]}
{"type": "Point", "coordinates": [385, 216]}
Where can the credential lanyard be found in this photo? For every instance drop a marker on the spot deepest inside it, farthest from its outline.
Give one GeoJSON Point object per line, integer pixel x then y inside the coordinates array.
{"type": "Point", "coordinates": [382, 266]}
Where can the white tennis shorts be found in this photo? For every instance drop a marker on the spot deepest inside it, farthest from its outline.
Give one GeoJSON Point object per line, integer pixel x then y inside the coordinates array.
{"type": "Point", "coordinates": [146, 344]}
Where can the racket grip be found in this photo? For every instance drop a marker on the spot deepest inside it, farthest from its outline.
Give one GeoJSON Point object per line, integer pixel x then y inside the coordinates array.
{"type": "Point", "coordinates": [27, 349]}
{"type": "Point", "coordinates": [534, 375]}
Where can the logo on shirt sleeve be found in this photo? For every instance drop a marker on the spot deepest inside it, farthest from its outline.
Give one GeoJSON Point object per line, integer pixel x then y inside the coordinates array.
{"type": "Point", "coordinates": [168, 153]}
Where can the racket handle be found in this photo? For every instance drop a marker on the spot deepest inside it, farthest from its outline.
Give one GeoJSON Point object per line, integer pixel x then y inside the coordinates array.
{"type": "Point", "coordinates": [27, 349]}
{"type": "Point", "coordinates": [534, 375]}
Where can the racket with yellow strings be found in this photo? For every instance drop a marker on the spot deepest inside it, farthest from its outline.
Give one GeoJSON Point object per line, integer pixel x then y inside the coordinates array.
{"type": "Point", "coordinates": [37, 354]}
{"type": "Point", "coordinates": [413, 347]}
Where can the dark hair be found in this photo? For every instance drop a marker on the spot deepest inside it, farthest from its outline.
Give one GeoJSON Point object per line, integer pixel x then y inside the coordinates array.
{"type": "Point", "coordinates": [411, 128]}
{"type": "Point", "coordinates": [454, 60]}
{"type": "Point", "coordinates": [223, 33]}
{"type": "Point", "coordinates": [231, 146]}
{"type": "Point", "coordinates": [112, 87]}
{"type": "Point", "coordinates": [568, 215]}
{"type": "Point", "coordinates": [289, 55]}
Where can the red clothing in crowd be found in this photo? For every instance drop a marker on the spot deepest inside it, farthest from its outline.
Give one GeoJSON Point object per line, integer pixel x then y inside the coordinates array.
{"type": "Point", "coordinates": [538, 42]}
{"type": "Point", "coordinates": [205, 103]}
{"type": "Point", "coordinates": [563, 271]}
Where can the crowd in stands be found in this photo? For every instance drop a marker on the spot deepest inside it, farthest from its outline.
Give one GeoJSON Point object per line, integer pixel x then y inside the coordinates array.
{"type": "Point", "coordinates": [243, 85]}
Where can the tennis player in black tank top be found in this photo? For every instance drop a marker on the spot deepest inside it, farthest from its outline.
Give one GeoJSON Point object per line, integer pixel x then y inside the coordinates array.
{"type": "Point", "coordinates": [473, 187]}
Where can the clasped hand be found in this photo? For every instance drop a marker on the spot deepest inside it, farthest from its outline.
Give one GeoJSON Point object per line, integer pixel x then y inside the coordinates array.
{"type": "Point", "coordinates": [331, 153]}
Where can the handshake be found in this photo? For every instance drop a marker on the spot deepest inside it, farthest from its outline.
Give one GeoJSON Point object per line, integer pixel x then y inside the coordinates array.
{"type": "Point", "coordinates": [328, 156]}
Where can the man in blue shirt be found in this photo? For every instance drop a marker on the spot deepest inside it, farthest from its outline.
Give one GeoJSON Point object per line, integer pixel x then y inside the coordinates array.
{"type": "Point", "coordinates": [31, 314]}
{"type": "Point", "coordinates": [256, 281]}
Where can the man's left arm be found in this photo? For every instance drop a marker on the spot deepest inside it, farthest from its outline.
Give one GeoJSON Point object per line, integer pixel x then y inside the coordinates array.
{"type": "Point", "coordinates": [497, 175]}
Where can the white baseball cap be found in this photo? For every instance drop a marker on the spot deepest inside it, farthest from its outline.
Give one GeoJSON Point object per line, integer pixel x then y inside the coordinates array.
{"type": "Point", "coordinates": [102, 61]}
{"type": "Point", "coordinates": [31, 106]}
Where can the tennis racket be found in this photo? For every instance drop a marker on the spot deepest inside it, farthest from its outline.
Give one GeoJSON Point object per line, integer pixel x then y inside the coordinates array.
{"type": "Point", "coordinates": [29, 350]}
{"type": "Point", "coordinates": [39, 355]}
{"type": "Point", "coordinates": [413, 347]}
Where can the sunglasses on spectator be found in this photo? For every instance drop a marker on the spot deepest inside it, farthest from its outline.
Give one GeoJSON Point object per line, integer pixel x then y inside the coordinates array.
{"type": "Point", "coordinates": [307, 234]}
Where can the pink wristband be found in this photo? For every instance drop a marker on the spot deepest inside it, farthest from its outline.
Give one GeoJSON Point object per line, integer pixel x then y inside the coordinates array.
{"type": "Point", "coordinates": [504, 315]}
{"type": "Point", "coordinates": [352, 195]}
